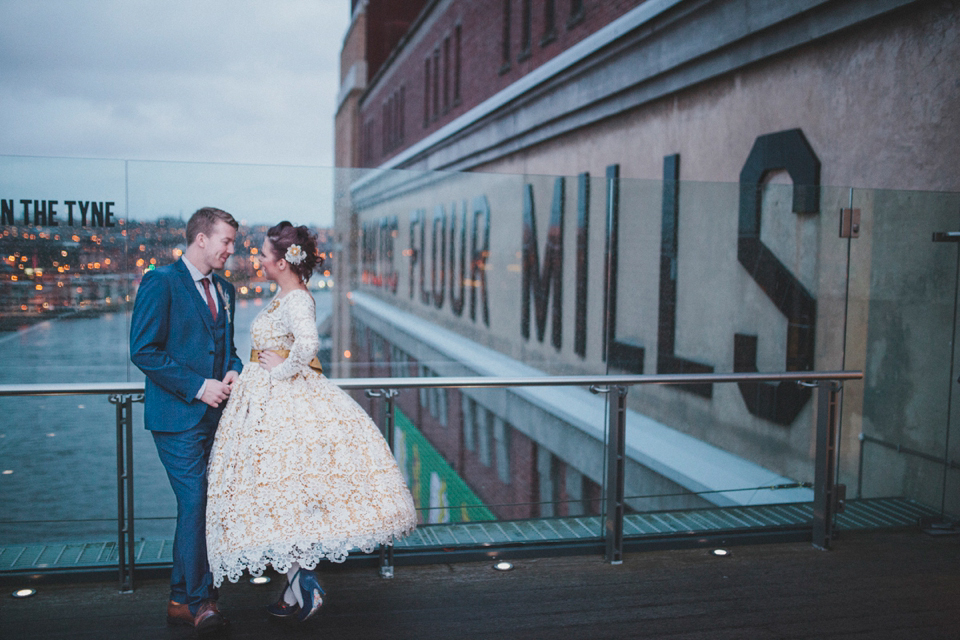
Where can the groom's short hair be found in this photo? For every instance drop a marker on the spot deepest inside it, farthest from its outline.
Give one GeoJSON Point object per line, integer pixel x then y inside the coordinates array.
{"type": "Point", "coordinates": [204, 220]}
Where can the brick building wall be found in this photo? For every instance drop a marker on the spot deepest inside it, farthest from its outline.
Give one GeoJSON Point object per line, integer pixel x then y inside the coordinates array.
{"type": "Point", "coordinates": [458, 54]}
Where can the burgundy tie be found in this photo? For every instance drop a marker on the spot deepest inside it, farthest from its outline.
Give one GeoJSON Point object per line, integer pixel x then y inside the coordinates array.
{"type": "Point", "coordinates": [210, 303]}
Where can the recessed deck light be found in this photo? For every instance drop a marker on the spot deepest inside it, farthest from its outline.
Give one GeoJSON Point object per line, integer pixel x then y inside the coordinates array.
{"type": "Point", "coordinates": [260, 580]}
{"type": "Point", "coordinates": [24, 593]}
{"type": "Point", "coordinates": [503, 565]}
{"type": "Point", "coordinates": [720, 552]}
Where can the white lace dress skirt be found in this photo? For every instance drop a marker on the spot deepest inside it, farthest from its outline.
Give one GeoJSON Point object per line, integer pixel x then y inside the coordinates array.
{"type": "Point", "coordinates": [298, 472]}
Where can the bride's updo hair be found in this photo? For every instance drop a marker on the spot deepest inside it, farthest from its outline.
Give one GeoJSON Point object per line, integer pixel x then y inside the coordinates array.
{"type": "Point", "coordinates": [285, 234]}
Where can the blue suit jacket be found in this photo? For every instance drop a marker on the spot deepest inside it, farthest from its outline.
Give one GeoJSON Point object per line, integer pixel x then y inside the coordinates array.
{"type": "Point", "coordinates": [173, 341]}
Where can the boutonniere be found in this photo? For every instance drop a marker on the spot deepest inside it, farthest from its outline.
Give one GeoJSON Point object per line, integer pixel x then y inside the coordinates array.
{"type": "Point", "coordinates": [226, 301]}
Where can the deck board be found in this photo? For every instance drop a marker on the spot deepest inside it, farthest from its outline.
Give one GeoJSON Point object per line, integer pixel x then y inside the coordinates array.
{"type": "Point", "coordinates": [872, 584]}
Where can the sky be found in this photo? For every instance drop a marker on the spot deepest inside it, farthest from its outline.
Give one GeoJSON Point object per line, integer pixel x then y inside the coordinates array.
{"type": "Point", "coordinates": [201, 81]}
{"type": "Point", "coordinates": [212, 81]}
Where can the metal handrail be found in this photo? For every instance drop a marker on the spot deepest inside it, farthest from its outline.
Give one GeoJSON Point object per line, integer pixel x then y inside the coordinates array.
{"type": "Point", "coordinates": [466, 382]}
{"type": "Point", "coordinates": [827, 498]}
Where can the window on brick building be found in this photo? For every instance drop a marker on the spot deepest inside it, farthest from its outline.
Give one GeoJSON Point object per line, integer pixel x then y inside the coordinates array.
{"type": "Point", "coordinates": [526, 29]}
{"type": "Point", "coordinates": [426, 91]}
{"type": "Point", "coordinates": [577, 12]}
{"type": "Point", "coordinates": [501, 439]}
{"type": "Point", "coordinates": [484, 436]}
{"type": "Point", "coordinates": [392, 134]}
{"type": "Point", "coordinates": [446, 74]}
{"type": "Point", "coordinates": [573, 487]}
{"type": "Point", "coordinates": [547, 482]}
{"type": "Point", "coordinates": [439, 404]}
{"type": "Point", "coordinates": [469, 424]}
{"type": "Point", "coordinates": [385, 133]}
{"type": "Point", "coordinates": [505, 45]}
{"type": "Point", "coordinates": [549, 23]}
{"type": "Point", "coordinates": [436, 83]}
{"type": "Point", "coordinates": [456, 64]}
{"type": "Point", "coordinates": [424, 392]}
{"type": "Point", "coordinates": [367, 157]}
{"type": "Point", "coordinates": [401, 99]}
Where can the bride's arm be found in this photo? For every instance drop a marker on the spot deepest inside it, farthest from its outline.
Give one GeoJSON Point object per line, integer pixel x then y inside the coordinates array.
{"type": "Point", "coordinates": [300, 319]}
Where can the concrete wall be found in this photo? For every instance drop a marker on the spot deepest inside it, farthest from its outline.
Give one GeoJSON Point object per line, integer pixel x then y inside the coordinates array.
{"type": "Point", "coordinates": [873, 86]}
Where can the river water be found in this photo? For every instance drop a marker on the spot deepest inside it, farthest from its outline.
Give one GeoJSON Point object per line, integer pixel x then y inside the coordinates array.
{"type": "Point", "coordinates": [58, 455]}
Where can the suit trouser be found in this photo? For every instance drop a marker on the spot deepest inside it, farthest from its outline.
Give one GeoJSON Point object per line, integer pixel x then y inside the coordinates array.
{"type": "Point", "coordinates": [184, 455]}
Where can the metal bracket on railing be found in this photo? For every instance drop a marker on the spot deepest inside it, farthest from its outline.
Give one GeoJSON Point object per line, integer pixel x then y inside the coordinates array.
{"type": "Point", "coordinates": [836, 385]}
{"type": "Point", "coordinates": [828, 496]}
{"type": "Point", "coordinates": [125, 541]}
{"type": "Point", "coordinates": [389, 422]}
{"type": "Point", "coordinates": [616, 473]}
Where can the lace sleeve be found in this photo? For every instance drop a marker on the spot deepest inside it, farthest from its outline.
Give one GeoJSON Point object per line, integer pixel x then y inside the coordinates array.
{"type": "Point", "coordinates": [300, 319]}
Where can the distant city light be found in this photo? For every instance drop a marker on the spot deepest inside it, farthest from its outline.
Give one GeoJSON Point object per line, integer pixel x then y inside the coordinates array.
{"type": "Point", "coordinates": [346, 354]}
{"type": "Point", "coordinates": [7, 472]}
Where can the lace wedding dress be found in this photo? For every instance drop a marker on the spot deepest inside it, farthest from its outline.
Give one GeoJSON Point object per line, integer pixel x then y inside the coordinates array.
{"type": "Point", "coordinates": [298, 471]}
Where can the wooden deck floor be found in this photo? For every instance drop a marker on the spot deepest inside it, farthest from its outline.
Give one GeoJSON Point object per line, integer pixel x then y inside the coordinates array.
{"type": "Point", "coordinates": [880, 584]}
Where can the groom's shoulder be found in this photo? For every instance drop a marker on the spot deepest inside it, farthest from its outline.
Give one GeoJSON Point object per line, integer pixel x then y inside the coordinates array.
{"type": "Point", "coordinates": [160, 276]}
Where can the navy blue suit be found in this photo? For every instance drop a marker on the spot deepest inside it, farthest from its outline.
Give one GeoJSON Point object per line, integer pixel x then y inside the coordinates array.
{"type": "Point", "coordinates": [175, 341]}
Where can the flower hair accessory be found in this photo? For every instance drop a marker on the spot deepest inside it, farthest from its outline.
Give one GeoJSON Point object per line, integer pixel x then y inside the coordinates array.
{"type": "Point", "coordinates": [295, 254]}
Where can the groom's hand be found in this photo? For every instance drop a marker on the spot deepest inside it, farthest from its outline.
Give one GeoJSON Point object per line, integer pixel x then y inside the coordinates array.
{"type": "Point", "coordinates": [215, 392]}
{"type": "Point", "coordinates": [230, 378]}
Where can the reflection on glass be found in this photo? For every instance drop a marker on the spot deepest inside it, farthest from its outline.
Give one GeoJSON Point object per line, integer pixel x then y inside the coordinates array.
{"type": "Point", "coordinates": [433, 274]}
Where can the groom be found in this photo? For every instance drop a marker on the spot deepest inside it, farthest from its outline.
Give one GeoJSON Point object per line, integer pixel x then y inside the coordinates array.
{"type": "Point", "coordinates": [181, 337]}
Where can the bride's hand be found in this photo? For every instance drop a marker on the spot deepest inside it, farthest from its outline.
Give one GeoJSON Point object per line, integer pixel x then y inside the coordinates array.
{"type": "Point", "coordinates": [269, 359]}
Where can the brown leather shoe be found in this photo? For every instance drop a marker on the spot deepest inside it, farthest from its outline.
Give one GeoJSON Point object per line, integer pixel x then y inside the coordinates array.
{"type": "Point", "coordinates": [208, 618]}
{"type": "Point", "coordinates": [179, 613]}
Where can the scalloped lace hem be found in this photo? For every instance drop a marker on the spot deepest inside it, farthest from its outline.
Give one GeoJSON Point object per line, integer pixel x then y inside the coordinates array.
{"type": "Point", "coordinates": [307, 554]}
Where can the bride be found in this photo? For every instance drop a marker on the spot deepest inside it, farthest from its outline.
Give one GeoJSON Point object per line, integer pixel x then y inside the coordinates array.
{"type": "Point", "coordinates": [298, 471]}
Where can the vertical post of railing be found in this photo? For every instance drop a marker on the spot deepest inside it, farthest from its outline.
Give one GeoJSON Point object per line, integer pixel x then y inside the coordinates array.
{"type": "Point", "coordinates": [825, 489]}
{"type": "Point", "coordinates": [125, 541]}
{"type": "Point", "coordinates": [860, 468]}
{"type": "Point", "coordinates": [616, 462]}
{"type": "Point", "coordinates": [389, 416]}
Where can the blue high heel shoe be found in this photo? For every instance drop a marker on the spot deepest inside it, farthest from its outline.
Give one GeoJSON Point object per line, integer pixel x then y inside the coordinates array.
{"type": "Point", "coordinates": [311, 592]}
{"type": "Point", "coordinates": [281, 608]}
